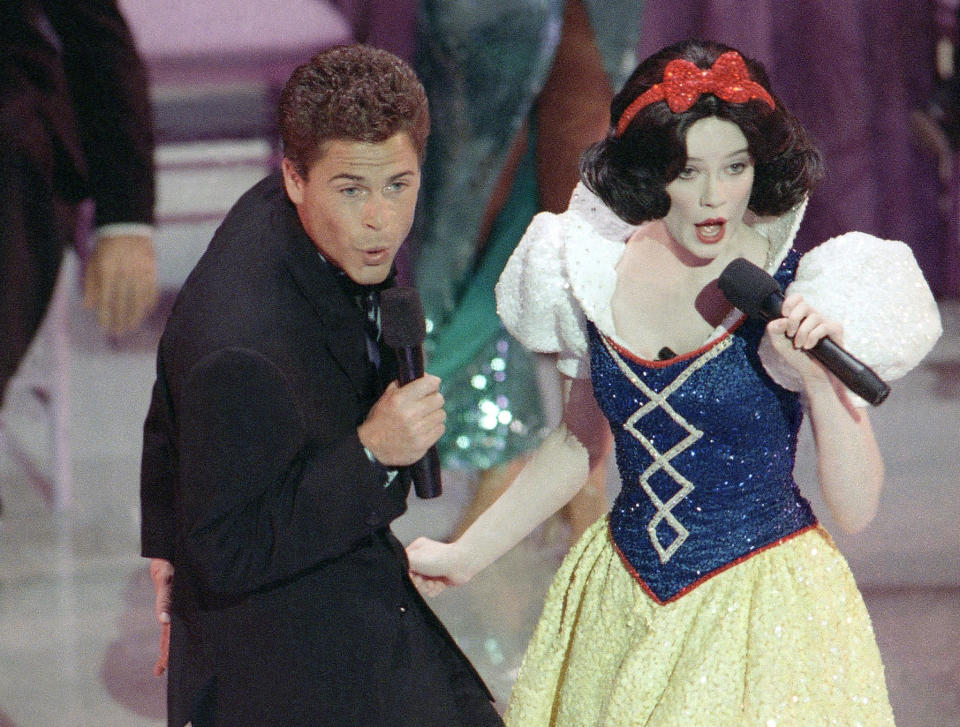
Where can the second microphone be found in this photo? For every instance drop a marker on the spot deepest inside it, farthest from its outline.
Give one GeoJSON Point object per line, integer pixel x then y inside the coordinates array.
{"type": "Point", "coordinates": [404, 330]}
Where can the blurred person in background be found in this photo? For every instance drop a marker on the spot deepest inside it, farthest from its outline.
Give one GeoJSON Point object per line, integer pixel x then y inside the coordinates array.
{"type": "Point", "coordinates": [517, 90]}
{"type": "Point", "coordinates": [74, 124]}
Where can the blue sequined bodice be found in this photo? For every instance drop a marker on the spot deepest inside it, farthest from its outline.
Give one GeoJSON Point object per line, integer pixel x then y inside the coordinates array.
{"type": "Point", "coordinates": [705, 446]}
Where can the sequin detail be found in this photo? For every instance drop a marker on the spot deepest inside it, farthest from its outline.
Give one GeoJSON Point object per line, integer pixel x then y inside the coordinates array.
{"type": "Point", "coordinates": [781, 639]}
{"type": "Point", "coordinates": [705, 446]}
{"type": "Point", "coordinates": [661, 460]}
{"type": "Point", "coordinates": [684, 82]}
{"type": "Point", "coordinates": [493, 412]}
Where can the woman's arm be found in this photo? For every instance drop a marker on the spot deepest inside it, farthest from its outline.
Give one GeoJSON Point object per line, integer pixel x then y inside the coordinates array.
{"type": "Point", "coordinates": [849, 464]}
{"type": "Point", "coordinates": [554, 474]}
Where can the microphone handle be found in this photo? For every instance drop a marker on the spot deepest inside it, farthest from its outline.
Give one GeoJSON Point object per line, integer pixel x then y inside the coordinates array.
{"type": "Point", "coordinates": [856, 375]}
{"type": "Point", "coordinates": [409, 363]}
{"type": "Point", "coordinates": [425, 472]}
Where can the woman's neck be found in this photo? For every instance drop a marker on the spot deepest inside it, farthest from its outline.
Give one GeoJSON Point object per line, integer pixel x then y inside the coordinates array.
{"type": "Point", "coordinates": [668, 297]}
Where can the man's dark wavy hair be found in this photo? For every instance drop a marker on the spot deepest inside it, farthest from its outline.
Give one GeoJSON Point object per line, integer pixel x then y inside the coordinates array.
{"type": "Point", "coordinates": [630, 172]}
{"type": "Point", "coordinates": [350, 93]}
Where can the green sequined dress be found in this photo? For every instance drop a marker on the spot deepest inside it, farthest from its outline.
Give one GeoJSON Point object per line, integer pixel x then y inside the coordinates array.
{"type": "Point", "coordinates": [483, 65]}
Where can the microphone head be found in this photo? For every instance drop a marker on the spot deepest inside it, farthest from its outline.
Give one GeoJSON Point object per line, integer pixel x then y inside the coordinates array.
{"type": "Point", "coordinates": [401, 317]}
{"type": "Point", "coordinates": [751, 289]}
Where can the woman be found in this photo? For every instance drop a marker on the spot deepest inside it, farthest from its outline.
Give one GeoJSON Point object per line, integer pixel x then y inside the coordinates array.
{"type": "Point", "coordinates": [710, 594]}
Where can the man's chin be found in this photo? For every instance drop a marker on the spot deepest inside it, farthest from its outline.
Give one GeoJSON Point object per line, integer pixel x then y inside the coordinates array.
{"type": "Point", "coordinates": [370, 275]}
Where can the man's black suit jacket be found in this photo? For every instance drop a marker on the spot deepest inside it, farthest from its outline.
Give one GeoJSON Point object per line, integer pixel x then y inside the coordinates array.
{"type": "Point", "coordinates": [292, 602]}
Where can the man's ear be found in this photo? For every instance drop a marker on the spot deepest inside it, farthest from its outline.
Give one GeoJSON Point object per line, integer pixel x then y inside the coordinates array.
{"type": "Point", "coordinates": [292, 181]}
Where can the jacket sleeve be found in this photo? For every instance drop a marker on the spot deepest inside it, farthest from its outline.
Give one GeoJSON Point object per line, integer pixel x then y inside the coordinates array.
{"type": "Point", "coordinates": [107, 82]}
{"type": "Point", "coordinates": [261, 500]}
{"type": "Point", "coordinates": [158, 475]}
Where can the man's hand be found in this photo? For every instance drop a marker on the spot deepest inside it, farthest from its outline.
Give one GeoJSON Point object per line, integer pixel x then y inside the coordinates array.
{"type": "Point", "coordinates": [121, 282]}
{"type": "Point", "coordinates": [405, 422]}
{"type": "Point", "coordinates": [161, 573]}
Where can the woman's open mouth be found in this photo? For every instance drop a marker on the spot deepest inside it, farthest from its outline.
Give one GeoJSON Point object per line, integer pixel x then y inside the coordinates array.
{"type": "Point", "coordinates": [710, 232]}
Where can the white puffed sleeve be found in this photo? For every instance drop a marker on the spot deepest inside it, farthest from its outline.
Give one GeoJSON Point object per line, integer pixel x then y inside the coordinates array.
{"type": "Point", "coordinates": [876, 290]}
{"type": "Point", "coordinates": [534, 299]}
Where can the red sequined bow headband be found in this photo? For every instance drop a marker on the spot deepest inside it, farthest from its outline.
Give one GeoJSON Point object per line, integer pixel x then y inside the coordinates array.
{"type": "Point", "coordinates": [683, 83]}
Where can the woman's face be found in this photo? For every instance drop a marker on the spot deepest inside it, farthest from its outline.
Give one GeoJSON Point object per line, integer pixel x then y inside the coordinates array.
{"type": "Point", "coordinates": [709, 197]}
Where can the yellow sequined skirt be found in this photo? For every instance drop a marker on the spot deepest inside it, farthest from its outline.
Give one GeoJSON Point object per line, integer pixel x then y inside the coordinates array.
{"type": "Point", "coordinates": [778, 640]}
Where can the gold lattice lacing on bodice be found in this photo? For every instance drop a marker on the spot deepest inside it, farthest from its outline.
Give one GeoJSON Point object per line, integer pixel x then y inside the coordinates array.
{"type": "Point", "coordinates": [662, 460]}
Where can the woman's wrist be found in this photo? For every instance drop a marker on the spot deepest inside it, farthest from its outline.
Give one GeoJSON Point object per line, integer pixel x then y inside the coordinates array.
{"type": "Point", "coordinates": [825, 389]}
{"type": "Point", "coordinates": [463, 562]}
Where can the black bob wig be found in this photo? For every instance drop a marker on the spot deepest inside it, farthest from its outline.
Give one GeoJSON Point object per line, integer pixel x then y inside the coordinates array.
{"type": "Point", "coordinates": [630, 172]}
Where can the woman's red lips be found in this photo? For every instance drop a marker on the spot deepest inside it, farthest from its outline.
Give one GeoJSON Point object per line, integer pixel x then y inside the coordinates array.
{"type": "Point", "coordinates": [710, 231]}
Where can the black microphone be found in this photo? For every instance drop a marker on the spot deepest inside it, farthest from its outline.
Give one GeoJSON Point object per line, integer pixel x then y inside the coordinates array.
{"type": "Point", "coordinates": [757, 294]}
{"type": "Point", "coordinates": [404, 329]}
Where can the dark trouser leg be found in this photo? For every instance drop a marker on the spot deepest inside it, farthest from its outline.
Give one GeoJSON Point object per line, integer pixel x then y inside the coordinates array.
{"type": "Point", "coordinates": [31, 233]}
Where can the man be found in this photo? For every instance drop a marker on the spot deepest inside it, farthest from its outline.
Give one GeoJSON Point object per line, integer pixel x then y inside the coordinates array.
{"type": "Point", "coordinates": [271, 448]}
{"type": "Point", "coordinates": [74, 123]}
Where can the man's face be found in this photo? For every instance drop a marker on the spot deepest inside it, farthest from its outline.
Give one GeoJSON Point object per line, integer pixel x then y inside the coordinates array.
{"type": "Point", "coordinates": [357, 203]}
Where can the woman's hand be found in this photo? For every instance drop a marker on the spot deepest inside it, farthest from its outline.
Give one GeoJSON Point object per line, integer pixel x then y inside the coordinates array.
{"type": "Point", "coordinates": [435, 565]}
{"type": "Point", "coordinates": [800, 329]}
